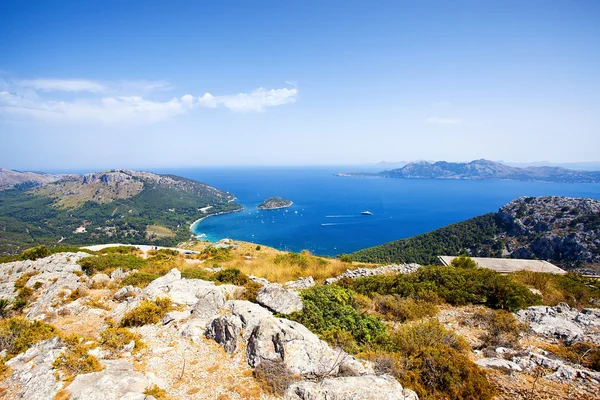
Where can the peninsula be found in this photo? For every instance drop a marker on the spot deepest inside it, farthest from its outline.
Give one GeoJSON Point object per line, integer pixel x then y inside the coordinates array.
{"type": "Point", "coordinates": [482, 170]}
{"type": "Point", "coordinates": [273, 203]}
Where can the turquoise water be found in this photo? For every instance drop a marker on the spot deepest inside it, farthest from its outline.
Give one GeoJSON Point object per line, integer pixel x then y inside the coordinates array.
{"type": "Point", "coordinates": [326, 216]}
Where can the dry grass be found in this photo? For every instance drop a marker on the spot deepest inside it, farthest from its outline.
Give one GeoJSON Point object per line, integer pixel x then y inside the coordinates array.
{"type": "Point", "coordinates": [159, 231]}
{"type": "Point", "coordinates": [268, 263]}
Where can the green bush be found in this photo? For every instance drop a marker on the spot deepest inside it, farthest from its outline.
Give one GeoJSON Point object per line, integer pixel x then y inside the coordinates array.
{"type": "Point", "coordinates": [139, 279]}
{"type": "Point", "coordinates": [197, 273]}
{"type": "Point", "coordinates": [432, 360]}
{"type": "Point", "coordinates": [91, 265]}
{"type": "Point", "coordinates": [76, 359]}
{"type": "Point", "coordinates": [463, 262]}
{"type": "Point", "coordinates": [4, 307]}
{"type": "Point", "coordinates": [457, 286]}
{"type": "Point", "coordinates": [115, 339]}
{"type": "Point", "coordinates": [234, 276]}
{"type": "Point", "coordinates": [396, 308]}
{"type": "Point", "coordinates": [147, 312]}
{"type": "Point", "coordinates": [18, 334]}
{"type": "Point", "coordinates": [503, 329]}
{"type": "Point", "coordinates": [331, 308]}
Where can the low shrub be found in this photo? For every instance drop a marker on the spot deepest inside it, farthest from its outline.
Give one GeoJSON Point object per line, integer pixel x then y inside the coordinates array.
{"type": "Point", "coordinates": [147, 312]}
{"type": "Point", "coordinates": [77, 293]}
{"type": "Point", "coordinates": [156, 392]}
{"type": "Point", "coordinates": [432, 360]}
{"type": "Point", "coordinates": [457, 286]}
{"type": "Point", "coordinates": [573, 289]}
{"type": "Point", "coordinates": [503, 329]}
{"type": "Point", "coordinates": [396, 308]}
{"type": "Point", "coordinates": [463, 261]}
{"type": "Point", "coordinates": [76, 359]}
{"type": "Point", "coordinates": [197, 273]}
{"type": "Point", "coordinates": [331, 308]}
{"type": "Point", "coordinates": [115, 339]}
{"type": "Point", "coordinates": [139, 279]}
{"type": "Point", "coordinates": [251, 291]}
{"type": "Point", "coordinates": [583, 353]}
{"type": "Point", "coordinates": [5, 305]}
{"type": "Point", "coordinates": [18, 334]}
{"type": "Point", "coordinates": [273, 377]}
{"type": "Point", "coordinates": [234, 276]}
{"type": "Point", "coordinates": [120, 250]}
{"type": "Point", "coordinates": [93, 264]}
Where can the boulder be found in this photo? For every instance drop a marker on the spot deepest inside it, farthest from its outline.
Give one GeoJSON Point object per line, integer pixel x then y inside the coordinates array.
{"type": "Point", "coordinates": [250, 314]}
{"type": "Point", "coordinates": [261, 281]}
{"type": "Point", "coordinates": [302, 352]}
{"type": "Point", "coordinates": [278, 299]}
{"type": "Point", "coordinates": [180, 291]}
{"type": "Point", "coordinates": [499, 363]}
{"type": "Point", "coordinates": [126, 292]}
{"type": "Point", "coordinates": [368, 387]}
{"type": "Point", "coordinates": [225, 330]}
{"type": "Point", "coordinates": [301, 283]}
{"type": "Point", "coordinates": [116, 381]}
{"type": "Point", "coordinates": [210, 300]}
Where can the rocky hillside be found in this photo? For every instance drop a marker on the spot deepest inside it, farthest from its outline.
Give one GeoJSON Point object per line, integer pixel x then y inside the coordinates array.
{"type": "Point", "coordinates": [111, 206]}
{"type": "Point", "coordinates": [10, 178]}
{"type": "Point", "coordinates": [77, 326]}
{"type": "Point", "coordinates": [485, 170]}
{"type": "Point", "coordinates": [563, 230]}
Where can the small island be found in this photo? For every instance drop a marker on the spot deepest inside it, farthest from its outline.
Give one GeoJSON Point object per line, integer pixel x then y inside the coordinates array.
{"type": "Point", "coordinates": [273, 203]}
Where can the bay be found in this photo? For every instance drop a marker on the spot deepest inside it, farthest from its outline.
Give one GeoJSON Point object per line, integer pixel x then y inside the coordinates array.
{"type": "Point", "coordinates": [326, 215]}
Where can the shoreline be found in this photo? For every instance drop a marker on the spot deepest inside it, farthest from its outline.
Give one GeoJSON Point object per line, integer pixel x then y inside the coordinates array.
{"type": "Point", "coordinates": [276, 208]}
{"type": "Point", "coordinates": [196, 222]}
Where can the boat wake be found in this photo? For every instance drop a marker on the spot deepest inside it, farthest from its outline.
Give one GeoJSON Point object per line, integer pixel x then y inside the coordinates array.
{"type": "Point", "coordinates": [340, 216]}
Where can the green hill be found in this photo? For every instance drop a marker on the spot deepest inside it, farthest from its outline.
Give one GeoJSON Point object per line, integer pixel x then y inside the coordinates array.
{"type": "Point", "coordinates": [112, 206]}
{"type": "Point", "coordinates": [562, 230]}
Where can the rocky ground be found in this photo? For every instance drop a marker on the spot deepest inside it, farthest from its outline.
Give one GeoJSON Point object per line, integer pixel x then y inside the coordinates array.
{"type": "Point", "coordinates": [553, 228]}
{"type": "Point", "coordinates": [212, 343]}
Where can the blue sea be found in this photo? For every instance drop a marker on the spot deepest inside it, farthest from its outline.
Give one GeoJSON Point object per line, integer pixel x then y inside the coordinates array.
{"type": "Point", "coordinates": [326, 216]}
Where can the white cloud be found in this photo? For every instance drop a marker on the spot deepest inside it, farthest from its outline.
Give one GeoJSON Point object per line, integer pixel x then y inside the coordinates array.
{"type": "Point", "coordinates": [257, 100]}
{"type": "Point", "coordinates": [444, 121]}
{"type": "Point", "coordinates": [122, 101]}
{"type": "Point", "coordinates": [133, 109]}
{"type": "Point", "coordinates": [63, 85]}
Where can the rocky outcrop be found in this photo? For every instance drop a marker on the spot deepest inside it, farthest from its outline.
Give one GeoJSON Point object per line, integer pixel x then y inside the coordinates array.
{"type": "Point", "coordinates": [225, 330]}
{"type": "Point", "coordinates": [32, 375]}
{"type": "Point", "coordinates": [280, 340]}
{"type": "Point", "coordinates": [210, 300]}
{"type": "Point", "coordinates": [368, 387]}
{"type": "Point", "coordinates": [279, 300]}
{"type": "Point", "coordinates": [562, 229]}
{"type": "Point", "coordinates": [563, 322]}
{"type": "Point", "coordinates": [300, 283]}
{"type": "Point", "coordinates": [386, 269]}
{"type": "Point", "coordinates": [116, 381]}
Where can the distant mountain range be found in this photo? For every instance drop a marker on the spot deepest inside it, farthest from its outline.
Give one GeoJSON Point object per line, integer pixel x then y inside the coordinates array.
{"type": "Point", "coordinates": [111, 206]}
{"type": "Point", "coordinates": [483, 170]}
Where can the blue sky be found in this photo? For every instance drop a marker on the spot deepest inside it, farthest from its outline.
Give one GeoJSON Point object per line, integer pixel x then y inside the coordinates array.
{"type": "Point", "coordinates": [104, 84]}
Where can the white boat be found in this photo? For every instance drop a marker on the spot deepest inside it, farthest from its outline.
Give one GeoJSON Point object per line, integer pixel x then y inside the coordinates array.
{"type": "Point", "coordinates": [366, 213]}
